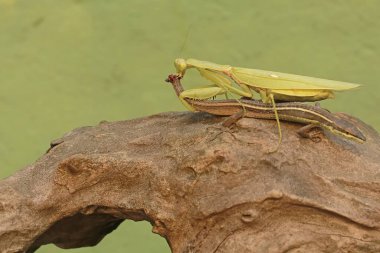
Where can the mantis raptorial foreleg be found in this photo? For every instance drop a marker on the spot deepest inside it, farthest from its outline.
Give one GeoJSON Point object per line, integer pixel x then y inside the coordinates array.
{"type": "Point", "coordinates": [221, 86]}
{"type": "Point", "coordinates": [200, 94]}
{"type": "Point", "coordinates": [224, 82]}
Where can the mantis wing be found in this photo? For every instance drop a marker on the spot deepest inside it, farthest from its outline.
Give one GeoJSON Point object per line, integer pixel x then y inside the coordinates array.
{"type": "Point", "coordinates": [282, 81]}
{"type": "Point", "coordinates": [302, 95]}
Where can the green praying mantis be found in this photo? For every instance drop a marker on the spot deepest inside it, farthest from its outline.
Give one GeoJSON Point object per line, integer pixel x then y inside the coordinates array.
{"type": "Point", "coordinates": [271, 86]}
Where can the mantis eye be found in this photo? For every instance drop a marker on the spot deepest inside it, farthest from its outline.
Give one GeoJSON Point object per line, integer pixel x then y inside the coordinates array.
{"type": "Point", "coordinates": [180, 65]}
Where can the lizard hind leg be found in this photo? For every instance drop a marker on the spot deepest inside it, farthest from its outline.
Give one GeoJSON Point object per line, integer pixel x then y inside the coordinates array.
{"type": "Point", "coordinates": [309, 132]}
{"type": "Point", "coordinates": [233, 118]}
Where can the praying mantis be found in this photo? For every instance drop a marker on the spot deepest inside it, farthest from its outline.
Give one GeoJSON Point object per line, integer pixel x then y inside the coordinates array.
{"type": "Point", "coordinates": [271, 86]}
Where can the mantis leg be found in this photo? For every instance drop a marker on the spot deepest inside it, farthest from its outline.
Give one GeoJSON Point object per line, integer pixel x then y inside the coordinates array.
{"type": "Point", "coordinates": [200, 94]}
{"type": "Point", "coordinates": [269, 98]}
{"type": "Point", "coordinates": [277, 119]}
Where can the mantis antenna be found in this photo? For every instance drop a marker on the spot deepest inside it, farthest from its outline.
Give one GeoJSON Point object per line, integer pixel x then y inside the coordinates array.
{"type": "Point", "coordinates": [187, 35]}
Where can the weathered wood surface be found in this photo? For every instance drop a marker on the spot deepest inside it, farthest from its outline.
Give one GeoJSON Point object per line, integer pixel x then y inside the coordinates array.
{"type": "Point", "coordinates": [203, 187]}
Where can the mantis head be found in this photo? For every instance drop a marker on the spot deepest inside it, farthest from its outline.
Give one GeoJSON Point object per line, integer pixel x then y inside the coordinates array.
{"type": "Point", "coordinates": [181, 66]}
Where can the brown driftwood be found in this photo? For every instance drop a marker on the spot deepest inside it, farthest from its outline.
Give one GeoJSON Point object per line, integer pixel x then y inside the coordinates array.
{"type": "Point", "coordinates": [203, 187]}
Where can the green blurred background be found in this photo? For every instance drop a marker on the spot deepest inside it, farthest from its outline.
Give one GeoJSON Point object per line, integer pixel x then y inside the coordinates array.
{"type": "Point", "coordinates": [71, 63]}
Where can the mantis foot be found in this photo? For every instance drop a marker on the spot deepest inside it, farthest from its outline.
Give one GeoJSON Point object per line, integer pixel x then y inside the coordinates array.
{"type": "Point", "coordinates": [312, 132]}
